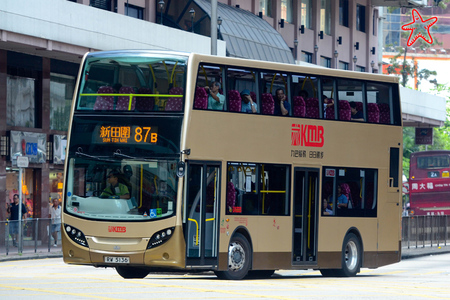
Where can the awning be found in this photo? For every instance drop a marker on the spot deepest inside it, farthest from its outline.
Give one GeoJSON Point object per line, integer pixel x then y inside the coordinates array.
{"type": "Point", "coordinates": [247, 35]}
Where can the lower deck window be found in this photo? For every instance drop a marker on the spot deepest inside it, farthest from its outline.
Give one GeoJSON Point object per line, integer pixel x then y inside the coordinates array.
{"type": "Point", "coordinates": [349, 192]}
{"type": "Point", "coordinates": [258, 189]}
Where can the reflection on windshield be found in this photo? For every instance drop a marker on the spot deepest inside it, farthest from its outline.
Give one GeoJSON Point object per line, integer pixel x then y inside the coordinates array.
{"type": "Point", "coordinates": [132, 81]}
{"type": "Point", "coordinates": [121, 189]}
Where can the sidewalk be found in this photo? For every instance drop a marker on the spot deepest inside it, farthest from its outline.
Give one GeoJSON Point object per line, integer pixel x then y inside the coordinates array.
{"type": "Point", "coordinates": [424, 251]}
{"type": "Point", "coordinates": [43, 252]}
{"type": "Point", "coordinates": [30, 253]}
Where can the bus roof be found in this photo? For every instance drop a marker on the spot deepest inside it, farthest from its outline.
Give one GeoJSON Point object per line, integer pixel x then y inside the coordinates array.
{"type": "Point", "coordinates": [194, 57]}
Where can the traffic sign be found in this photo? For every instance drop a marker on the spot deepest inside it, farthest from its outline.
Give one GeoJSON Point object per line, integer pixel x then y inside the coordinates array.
{"type": "Point", "coordinates": [22, 161]}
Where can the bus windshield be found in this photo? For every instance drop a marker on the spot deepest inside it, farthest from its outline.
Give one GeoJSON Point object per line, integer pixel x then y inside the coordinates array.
{"type": "Point", "coordinates": [123, 189]}
{"type": "Point", "coordinates": [123, 168]}
{"type": "Point", "coordinates": [128, 81]}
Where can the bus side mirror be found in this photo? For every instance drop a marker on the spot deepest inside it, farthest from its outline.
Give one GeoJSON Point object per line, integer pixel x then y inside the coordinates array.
{"type": "Point", "coordinates": [181, 168]}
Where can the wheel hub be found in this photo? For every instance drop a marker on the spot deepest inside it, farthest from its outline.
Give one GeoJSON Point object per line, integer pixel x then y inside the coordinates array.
{"type": "Point", "coordinates": [236, 257]}
{"type": "Point", "coordinates": [351, 255]}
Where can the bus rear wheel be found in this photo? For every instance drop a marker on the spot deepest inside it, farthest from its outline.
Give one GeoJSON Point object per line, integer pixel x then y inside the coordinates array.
{"type": "Point", "coordinates": [351, 255]}
{"type": "Point", "coordinates": [239, 258]}
{"type": "Point", "coordinates": [132, 272]}
{"type": "Point", "coordinates": [351, 259]}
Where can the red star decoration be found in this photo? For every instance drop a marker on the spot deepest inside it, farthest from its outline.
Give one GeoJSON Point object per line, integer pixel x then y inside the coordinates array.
{"type": "Point", "coordinates": [417, 23]}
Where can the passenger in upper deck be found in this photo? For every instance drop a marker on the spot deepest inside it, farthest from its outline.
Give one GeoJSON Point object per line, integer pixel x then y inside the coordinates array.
{"type": "Point", "coordinates": [248, 105]}
{"type": "Point", "coordinates": [115, 188]}
{"type": "Point", "coordinates": [282, 106]}
{"type": "Point", "coordinates": [215, 99]}
{"type": "Point", "coordinates": [356, 114]}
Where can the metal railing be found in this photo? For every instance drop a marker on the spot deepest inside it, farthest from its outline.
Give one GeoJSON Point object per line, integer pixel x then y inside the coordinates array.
{"type": "Point", "coordinates": [36, 236]}
{"type": "Point", "coordinates": [417, 232]}
{"type": "Point", "coordinates": [425, 231]}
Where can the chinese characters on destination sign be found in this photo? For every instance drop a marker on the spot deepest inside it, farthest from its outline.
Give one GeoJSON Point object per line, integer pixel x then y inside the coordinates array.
{"type": "Point", "coordinates": [127, 134]}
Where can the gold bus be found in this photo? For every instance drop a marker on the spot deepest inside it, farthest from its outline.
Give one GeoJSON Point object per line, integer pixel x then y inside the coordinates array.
{"type": "Point", "coordinates": [189, 162]}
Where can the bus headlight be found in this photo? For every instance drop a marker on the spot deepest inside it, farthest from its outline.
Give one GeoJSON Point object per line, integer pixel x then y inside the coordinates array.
{"type": "Point", "coordinates": [160, 237]}
{"type": "Point", "coordinates": [76, 235]}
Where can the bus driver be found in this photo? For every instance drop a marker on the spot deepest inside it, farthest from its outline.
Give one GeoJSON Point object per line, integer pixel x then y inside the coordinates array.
{"type": "Point", "coordinates": [115, 188]}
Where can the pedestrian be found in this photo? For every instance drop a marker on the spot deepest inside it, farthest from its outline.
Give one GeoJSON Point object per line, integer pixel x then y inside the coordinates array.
{"type": "Point", "coordinates": [55, 215]}
{"type": "Point", "coordinates": [13, 210]}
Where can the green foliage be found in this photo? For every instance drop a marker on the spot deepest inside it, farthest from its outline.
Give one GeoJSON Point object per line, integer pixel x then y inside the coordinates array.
{"type": "Point", "coordinates": [407, 69]}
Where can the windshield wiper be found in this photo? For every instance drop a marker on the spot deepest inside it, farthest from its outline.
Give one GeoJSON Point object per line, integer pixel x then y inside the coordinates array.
{"type": "Point", "coordinates": [118, 154]}
{"type": "Point", "coordinates": [100, 158]}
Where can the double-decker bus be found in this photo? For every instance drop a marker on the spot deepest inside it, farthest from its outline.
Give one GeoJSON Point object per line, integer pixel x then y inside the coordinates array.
{"type": "Point", "coordinates": [429, 183]}
{"type": "Point", "coordinates": [264, 170]}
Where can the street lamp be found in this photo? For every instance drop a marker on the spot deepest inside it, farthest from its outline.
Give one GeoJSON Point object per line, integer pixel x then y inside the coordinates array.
{"type": "Point", "coordinates": [336, 54]}
{"type": "Point", "coordinates": [161, 7]}
{"type": "Point", "coordinates": [316, 48]}
{"type": "Point", "coordinates": [192, 13]}
{"type": "Point", "coordinates": [295, 48]}
{"type": "Point", "coordinates": [355, 59]}
{"type": "Point", "coordinates": [372, 64]}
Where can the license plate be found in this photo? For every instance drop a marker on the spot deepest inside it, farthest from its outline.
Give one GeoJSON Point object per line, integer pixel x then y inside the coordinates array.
{"type": "Point", "coordinates": [117, 259]}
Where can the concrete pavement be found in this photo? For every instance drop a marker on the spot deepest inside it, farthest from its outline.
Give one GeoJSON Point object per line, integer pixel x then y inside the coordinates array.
{"type": "Point", "coordinates": [40, 252]}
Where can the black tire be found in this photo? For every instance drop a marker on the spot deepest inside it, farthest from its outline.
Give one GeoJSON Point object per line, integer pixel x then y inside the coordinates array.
{"type": "Point", "coordinates": [132, 272]}
{"type": "Point", "coordinates": [330, 272]}
{"type": "Point", "coordinates": [239, 258]}
{"type": "Point", "coordinates": [260, 274]}
{"type": "Point", "coordinates": [351, 256]}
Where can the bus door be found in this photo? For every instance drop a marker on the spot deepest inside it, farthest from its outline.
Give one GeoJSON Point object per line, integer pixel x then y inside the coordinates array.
{"type": "Point", "coordinates": [306, 205]}
{"type": "Point", "coordinates": [201, 216]}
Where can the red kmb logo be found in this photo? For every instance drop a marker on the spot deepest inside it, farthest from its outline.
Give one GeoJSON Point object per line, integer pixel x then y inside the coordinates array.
{"type": "Point", "coordinates": [307, 135]}
{"type": "Point", "coordinates": [416, 25]}
{"type": "Point", "coordinates": [120, 229]}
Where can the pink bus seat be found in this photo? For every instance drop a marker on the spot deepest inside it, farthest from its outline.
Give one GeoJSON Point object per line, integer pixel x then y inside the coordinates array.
{"type": "Point", "coordinates": [145, 103]}
{"type": "Point", "coordinates": [124, 101]}
{"type": "Point", "coordinates": [234, 100]}
{"type": "Point", "coordinates": [268, 105]}
{"type": "Point", "coordinates": [231, 195]}
{"type": "Point", "coordinates": [299, 108]}
{"type": "Point", "coordinates": [312, 108]}
{"type": "Point", "coordinates": [329, 112]}
{"type": "Point", "coordinates": [373, 113]}
{"type": "Point", "coordinates": [175, 103]}
{"type": "Point", "coordinates": [385, 117]}
{"type": "Point", "coordinates": [201, 98]}
{"type": "Point", "coordinates": [104, 102]}
{"type": "Point", "coordinates": [345, 112]}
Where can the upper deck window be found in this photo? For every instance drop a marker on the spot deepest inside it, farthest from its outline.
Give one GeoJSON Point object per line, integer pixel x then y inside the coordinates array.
{"type": "Point", "coordinates": [267, 92]}
{"type": "Point", "coordinates": [132, 82]}
{"type": "Point", "coordinates": [433, 162]}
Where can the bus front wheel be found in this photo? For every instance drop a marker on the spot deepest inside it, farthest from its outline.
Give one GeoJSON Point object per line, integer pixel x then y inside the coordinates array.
{"type": "Point", "coordinates": [132, 272]}
{"type": "Point", "coordinates": [239, 258]}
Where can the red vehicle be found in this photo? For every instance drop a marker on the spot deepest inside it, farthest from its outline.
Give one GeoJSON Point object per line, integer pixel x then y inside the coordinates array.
{"type": "Point", "coordinates": [429, 183]}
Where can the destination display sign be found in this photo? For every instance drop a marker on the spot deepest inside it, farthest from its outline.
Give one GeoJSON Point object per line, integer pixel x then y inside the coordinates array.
{"type": "Point", "coordinates": [113, 134]}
